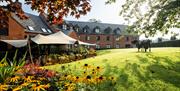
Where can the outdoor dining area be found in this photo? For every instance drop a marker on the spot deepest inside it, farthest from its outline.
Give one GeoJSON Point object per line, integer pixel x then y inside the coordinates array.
{"type": "Point", "coordinates": [56, 47]}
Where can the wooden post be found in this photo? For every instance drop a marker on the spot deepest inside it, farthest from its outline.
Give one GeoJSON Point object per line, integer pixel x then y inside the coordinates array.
{"type": "Point", "coordinates": [29, 48]}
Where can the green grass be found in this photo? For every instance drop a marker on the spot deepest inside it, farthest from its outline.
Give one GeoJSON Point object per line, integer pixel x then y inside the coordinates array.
{"type": "Point", "coordinates": [158, 70]}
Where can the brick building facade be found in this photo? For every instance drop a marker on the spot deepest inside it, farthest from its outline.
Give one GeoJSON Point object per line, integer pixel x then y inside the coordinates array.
{"type": "Point", "coordinates": [103, 34]}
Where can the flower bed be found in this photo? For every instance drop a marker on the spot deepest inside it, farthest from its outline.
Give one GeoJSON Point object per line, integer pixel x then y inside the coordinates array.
{"type": "Point", "coordinates": [66, 58]}
{"type": "Point", "coordinates": [20, 77]}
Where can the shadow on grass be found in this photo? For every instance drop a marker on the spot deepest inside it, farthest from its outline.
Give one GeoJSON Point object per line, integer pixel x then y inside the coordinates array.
{"type": "Point", "coordinates": [169, 73]}
{"type": "Point", "coordinates": [159, 73]}
{"type": "Point", "coordinates": [162, 68]}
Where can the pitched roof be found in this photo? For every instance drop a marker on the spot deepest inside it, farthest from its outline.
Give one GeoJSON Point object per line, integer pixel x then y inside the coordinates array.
{"type": "Point", "coordinates": [101, 26]}
{"type": "Point", "coordinates": [33, 21]}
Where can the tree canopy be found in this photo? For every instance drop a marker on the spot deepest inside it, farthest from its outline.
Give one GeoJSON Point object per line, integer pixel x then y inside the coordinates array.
{"type": "Point", "coordinates": [55, 9]}
{"type": "Point", "coordinates": [149, 16]}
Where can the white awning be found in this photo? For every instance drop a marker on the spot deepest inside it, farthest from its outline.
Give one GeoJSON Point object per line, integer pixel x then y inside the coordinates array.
{"type": "Point", "coordinates": [16, 43]}
{"type": "Point", "coordinates": [56, 38]}
{"type": "Point", "coordinates": [61, 34]}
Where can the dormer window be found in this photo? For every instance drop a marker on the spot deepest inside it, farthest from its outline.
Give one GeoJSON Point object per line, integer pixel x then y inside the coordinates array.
{"type": "Point", "coordinates": [107, 30]}
{"type": "Point", "coordinates": [85, 30]}
{"type": "Point", "coordinates": [30, 28]}
{"type": "Point", "coordinates": [97, 30]}
{"type": "Point", "coordinates": [49, 30]}
{"type": "Point", "coordinates": [71, 28]}
{"type": "Point", "coordinates": [77, 29]}
{"type": "Point", "coordinates": [117, 31]}
{"type": "Point", "coordinates": [64, 26]}
{"type": "Point", "coordinates": [44, 30]}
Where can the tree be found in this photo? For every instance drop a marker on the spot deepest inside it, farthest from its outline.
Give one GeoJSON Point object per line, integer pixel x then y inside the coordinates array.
{"type": "Point", "coordinates": [55, 9]}
{"type": "Point", "coordinates": [160, 15]}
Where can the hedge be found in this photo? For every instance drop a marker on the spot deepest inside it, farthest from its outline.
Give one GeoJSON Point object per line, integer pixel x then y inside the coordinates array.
{"type": "Point", "coordinates": [172, 43]}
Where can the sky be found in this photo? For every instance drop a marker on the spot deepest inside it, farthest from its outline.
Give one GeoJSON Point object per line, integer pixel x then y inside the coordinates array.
{"type": "Point", "coordinates": [104, 13]}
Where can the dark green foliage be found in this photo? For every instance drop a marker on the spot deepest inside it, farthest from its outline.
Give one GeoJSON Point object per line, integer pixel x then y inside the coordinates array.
{"type": "Point", "coordinates": [8, 67]}
{"type": "Point", "coordinates": [174, 43]}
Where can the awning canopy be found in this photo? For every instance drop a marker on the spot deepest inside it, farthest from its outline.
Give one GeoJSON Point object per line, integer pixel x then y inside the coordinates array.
{"type": "Point", "coordinates": [57, 38]}
{"type": "Point", "coordinates": [41, 39]}
{"type": "Point", "coordinates": [16, 43]}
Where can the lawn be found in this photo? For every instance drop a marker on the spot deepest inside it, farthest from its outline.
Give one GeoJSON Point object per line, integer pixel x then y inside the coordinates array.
{"type": "Point", "coordinates": [158, 70]}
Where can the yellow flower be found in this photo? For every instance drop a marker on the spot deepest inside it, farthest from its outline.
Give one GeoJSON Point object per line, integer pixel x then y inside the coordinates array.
{"type": "Point", "coordinates": [14, 79]}
{"type": "Point", "coordinates": [112, 78]}
{"type": "Point", "coordinates": [28, 79]}
{"type": "Point", "coordinates": [3, 87]}
{"type": "Point", "coordinates": [42, 78]}
{"type": "Point", "coordinates": [98, 68]}
{"type": "Point", "coordinates": [86, 66]}
{"type": "Point", "coordinates": [17, 88]}
{"type": "Point", "coordinates": [38, 87]}
{"type": "Point", "coordinates": [25, 84]}
{"type": "Point", "coordinates": [45, 86]}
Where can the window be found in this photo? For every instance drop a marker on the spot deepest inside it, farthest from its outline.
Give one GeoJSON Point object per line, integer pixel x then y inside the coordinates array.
{"type": "Point", "coordinates": [97, 30]}
{"type": "Point", "coordinates": [71, 28]}
{"type": "Point", "coordinates": [97, 46]}
{"type": "Point", "coordinates": [118, 31]}
{"type": "Point", "coordinates": [117, 39]}
{"type": "Point", "coordinates": [127, 38]}
{"type": "Point", "coordinates": [30, 28]}
{"type": "Point", "coordinates": [64, 27]}
{"type": "Point", "coordinates": [85, 31]}
{"type": "Point", "coordinates": [49, 30]}
{"type": "Point", "coordinates": [108, 46]}
{"type": "Point", "coordinates": [87, 38]}
{"type": "Point", "coordinates": [117, 46]}
{"type": "Point", "coordinates": [97, 38]}
{"type": "Point", "coordinates": [108, 38]}
{"type": "Point", "coordinates": [44, 30]}
{"type": "Point", "coordinates": [4, 31]}
{"type": "Point", "coordinates": [77, 29]}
